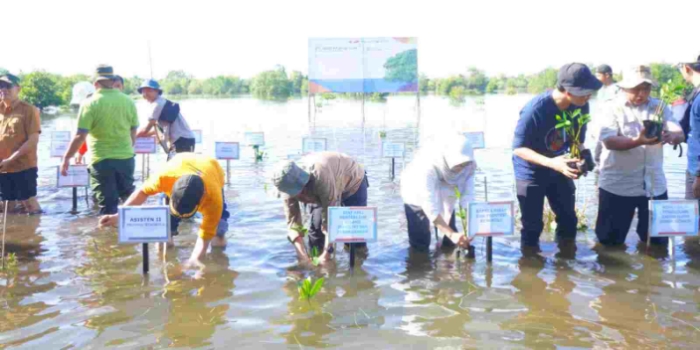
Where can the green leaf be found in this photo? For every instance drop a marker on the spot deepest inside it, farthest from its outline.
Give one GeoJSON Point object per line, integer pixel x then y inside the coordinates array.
{"type": "Point", "coordinates": [317, 287]}
{"type": "Point", "coordinates": [560, 125]}
{"type": "Point", "coordinates": [307, 284]}
{"type": "Point", "coordinates": [558, 117]}
{"type": "Point", "coordinates": [457, 193]}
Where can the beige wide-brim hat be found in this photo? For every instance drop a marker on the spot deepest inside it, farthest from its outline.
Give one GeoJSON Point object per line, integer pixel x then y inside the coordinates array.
{"type": "Point", "coordinates": [636, 76]}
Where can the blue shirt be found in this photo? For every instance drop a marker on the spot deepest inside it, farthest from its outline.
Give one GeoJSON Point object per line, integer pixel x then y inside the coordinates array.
{"type": "Point", "coordinates": [694, 138]}
{"type": "Point", "coordinates": [537, 131]}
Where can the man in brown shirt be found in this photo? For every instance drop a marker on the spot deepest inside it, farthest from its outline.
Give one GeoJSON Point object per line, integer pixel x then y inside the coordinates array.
{"type": "Point", "coordinates": [20, 127]}
{"type": "Point", "coordinates": [325, 179]}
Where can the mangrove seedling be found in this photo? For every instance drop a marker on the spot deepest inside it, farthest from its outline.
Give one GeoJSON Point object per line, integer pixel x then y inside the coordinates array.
{"type": "Point", "coordinates": [461, 213]}
{"type": "Point", "coordinates": [668, 94]}
{"type": "Point", "coordinates": [308, 290]}
{"type": "Point", "coordinates": [10, 262]}
{"type": "Point", "coordinates": [301, 230]}
{"type": "Point", "coordinates": [382, 134]}
{"type": "Point", "coordinates": [259, 155]}
{"type": "Point", "coordinates": [572, 124]}
{"type": "Point", "coordinates": [315, 256]}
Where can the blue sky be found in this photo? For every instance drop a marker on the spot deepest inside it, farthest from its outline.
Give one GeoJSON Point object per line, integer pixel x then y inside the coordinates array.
{"type": "Point", "coordinates": [208, 38]}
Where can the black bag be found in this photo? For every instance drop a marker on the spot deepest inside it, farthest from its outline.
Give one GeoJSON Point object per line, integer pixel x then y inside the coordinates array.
{"type": "Point", "coordinates": [170, 112]}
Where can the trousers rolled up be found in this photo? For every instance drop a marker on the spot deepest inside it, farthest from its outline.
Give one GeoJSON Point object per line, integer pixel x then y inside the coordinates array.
{"type": "Point", "coordinates": [110, 181]}
{"type": "Point", "coordinates": [560, 193]}
{"type": "Point", "coordinates": [316, 237]}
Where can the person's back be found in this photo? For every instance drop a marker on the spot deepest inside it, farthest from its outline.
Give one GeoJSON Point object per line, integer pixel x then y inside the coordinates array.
{"type": "Point", "coordinates": [109, 117]}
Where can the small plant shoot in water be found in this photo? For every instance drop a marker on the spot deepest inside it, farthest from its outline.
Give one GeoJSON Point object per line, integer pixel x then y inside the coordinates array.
{"type": "Point", "coordinates": [259, 155]}
{"type": "Point", "coordinates": [461, 213]}
{"type": "Point", "coordinates": [10, 262]}
{"type": "Point", "coordinates": [314, 256]}
{"type": "Point", "coordinates": [307, 290]}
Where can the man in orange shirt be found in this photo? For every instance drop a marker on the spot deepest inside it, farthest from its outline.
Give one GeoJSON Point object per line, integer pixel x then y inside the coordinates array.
{"type": "Point", "coordinates": [193, 183]}
{"type": "Point", "coordinates": [20, 127]}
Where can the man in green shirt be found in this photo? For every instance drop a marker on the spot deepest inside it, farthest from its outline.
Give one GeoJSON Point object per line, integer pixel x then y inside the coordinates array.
{"type": "Point", "coordinates": [108, 121]}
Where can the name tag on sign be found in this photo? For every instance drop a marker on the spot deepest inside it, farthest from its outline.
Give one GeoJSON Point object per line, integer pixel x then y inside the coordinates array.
{"type": "Point", "coordinates": [144, 224]}
{"type": "Point", "coordinates": [491, 219]}
{"type": "Point", "coordinates": [145, 145]}
{"type": "Point", "coordinates": [352, 224]}
{"type": "Point", "coordinates": [673, 218]}
{"type": "Point", "coordinates": [227, 150]}
{"type": "Point", "coordinates": [77, 176]}
{"type": "Point", "coordinates": [60, 140]}
{"type": "Point", "coordinates": [311, 145]}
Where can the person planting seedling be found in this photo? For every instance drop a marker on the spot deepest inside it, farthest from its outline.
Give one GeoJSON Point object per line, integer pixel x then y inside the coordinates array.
{"type": "Point", "coordinates": [429, 194]}
{"type": "Point", "coordinates": [632, 171]}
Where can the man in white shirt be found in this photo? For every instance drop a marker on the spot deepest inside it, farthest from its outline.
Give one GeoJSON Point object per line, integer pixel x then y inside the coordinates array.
{"type": "Point", "coordinates": [605, 95]}
{"type": "Point", "coordinates": [632, 172]}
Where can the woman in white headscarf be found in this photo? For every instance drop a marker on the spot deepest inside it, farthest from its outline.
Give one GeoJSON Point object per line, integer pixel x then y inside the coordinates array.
{"type": "Point", "coordinates": [428, 191]}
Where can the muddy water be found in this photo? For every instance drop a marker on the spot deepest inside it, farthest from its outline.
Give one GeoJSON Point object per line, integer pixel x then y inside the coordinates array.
{"type": "Point", "coordinates": [76, 287]}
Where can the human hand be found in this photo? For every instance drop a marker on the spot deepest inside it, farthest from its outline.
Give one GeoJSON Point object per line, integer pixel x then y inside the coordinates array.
{"type": "Point", "coordinates": [4, 163]}
{"type": "Point", "coordinates": [463, 241]}
{"type": "Point", "coordinates": [109, 220]}
{"type": "Point", "coordinates": [642, 139]}
{"type": "Point", "coordinates": [561, 165]}
{"type": "Point", "coordinates": [671, 138]}
{"type": "Point", "coordinates": [64, 166]}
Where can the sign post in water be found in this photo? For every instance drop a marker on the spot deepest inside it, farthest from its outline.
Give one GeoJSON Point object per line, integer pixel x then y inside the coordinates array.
{"type": "Point", "coordinates": [227, 151]}
{"type": "Point", "coordinates": [393, 150]}
{"type": "Point", "coordinates": [672, 218]}
{"type": "Point", "coordinates": [77, 176]}
{"type": "Point", "coordinates": [352, 225]}
{"type": "Point", "coordinates": [144, 224]}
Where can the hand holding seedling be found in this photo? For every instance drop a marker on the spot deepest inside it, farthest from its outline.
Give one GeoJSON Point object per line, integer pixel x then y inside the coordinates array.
{"type": "Point", "coordinates": [671, 138]}
{"type": "Point", "coordinates": [642, 139]}
{"type": "Point", "coordinates": [561, 164]}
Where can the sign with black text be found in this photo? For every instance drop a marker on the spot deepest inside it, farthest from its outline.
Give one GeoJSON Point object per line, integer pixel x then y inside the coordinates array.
{"type": "Point", "coordinates": [352, 224]}
{"type": "Point", "coordinates": [77, 176]}
{"type": "Point", "coordinates": [476, 139]}
{"type": "Point", "coordinates": [144, 224]}
{"type": "Point", "coordinates": [491, 219]}
{"type": "Point", "coordinates": [312, 144]}
{"type": "Point", "coordinates": [255, 139]}
{"type": "Point", "coordinates": [60, 141]}
{"type": "Point", "coordinates": [669, 218]}
{"type": "Point", "coordinates": [227, 150]}
{"type": "Point", "coordinates": [145, 145]}
{"type": "Point", "coordinates": [393, 149]}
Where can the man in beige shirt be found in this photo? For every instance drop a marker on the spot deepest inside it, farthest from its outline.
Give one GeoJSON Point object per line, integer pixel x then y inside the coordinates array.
{"type": "Point", "coordinates": [325, 179]}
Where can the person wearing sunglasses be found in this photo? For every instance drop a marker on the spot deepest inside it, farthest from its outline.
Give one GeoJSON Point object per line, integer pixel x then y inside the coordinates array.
{"type": "Point", "coordinates": [194, 183]}
{"type": "Point", "coordinates": [20, 127]}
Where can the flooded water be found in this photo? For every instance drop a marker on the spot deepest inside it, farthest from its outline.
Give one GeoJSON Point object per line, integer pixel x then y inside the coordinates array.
{"type": "Point", "coordinates": [77, 288]}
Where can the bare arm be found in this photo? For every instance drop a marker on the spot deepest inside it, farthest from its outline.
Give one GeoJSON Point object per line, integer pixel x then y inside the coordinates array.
{"type": "Point", "coordinates": [456, 237]}
{"type": "Point", "coordinates": [559, 164]}
{"type": "Point", "coordinates": [133, 136]}
{"type": "Point", "coordinates": [75, 144]}
{"type": "Point", "coordinates": [137, 198]}
{"type": "Point", "coordinates": [624, 143]}
{"type": "Point", "coordinates": [146, 130]}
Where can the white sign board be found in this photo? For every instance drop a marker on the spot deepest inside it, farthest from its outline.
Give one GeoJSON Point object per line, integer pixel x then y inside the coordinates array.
{"type": "Point", "coordinates": [77, 176]}
{"type": "Point", "coordinates": [227, 150]}
{"type": "Point", "coordinates": [393, 149]}
{"type": "Point", "coordinates": [491, 219]}
{"type": "Point", "coordinates": [197, 136]}
{"type": "Point", "coordinates": [352, 224]}
{"type": "Point", "coordinates": [254, 139]}
{"type": "Point", "coordinates": [144, 224]}
{"type": "Point", "coordinates": [476, 139]}
{"type": "Point", "coordinates": [60, 140]}
{"type": "Point", "coordinates": [673, 218]}
{"type": "Point", "coordinates": [311, 145]}
{"type": "Point", "coordinates": [145, 145]}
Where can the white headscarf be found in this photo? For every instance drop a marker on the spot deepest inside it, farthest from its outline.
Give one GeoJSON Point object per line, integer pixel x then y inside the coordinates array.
{"type": "Point", "coordinates": [456, 151]}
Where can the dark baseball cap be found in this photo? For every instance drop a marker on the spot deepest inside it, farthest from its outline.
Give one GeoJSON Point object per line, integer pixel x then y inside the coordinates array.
{"type": "Point", "coordinates": [578, 80]}
{"type": "Point", "coordinates": [185, 196]}
{"type": "Point", "coordinates": [10, 79]}
{"type": "Point", "coordinates": [604, 69]}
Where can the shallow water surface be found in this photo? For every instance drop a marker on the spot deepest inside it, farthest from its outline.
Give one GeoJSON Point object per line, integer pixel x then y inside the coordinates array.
{"type": "Point", "coordinates": [76, 287]}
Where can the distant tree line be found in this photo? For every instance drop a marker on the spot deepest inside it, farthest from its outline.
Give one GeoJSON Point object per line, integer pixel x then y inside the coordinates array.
{"type": "Point", "coordinates": [44, 89]}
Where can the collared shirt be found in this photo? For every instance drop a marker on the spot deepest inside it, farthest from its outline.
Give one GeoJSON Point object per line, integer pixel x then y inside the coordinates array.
{"type": "Point", "coordinates": [17, 123]}
{"type": "Point", "coordinates": [634, 172]}
{"type": "Point", "coordinates": [212, 203]}
{"type": "Point", "coordinates": [334, 177]}
{"type": "Point", "coordinates": [608, 93]}
{"type": "Point", "coordinates": [108, 116]}
{"type": "Point", "coordinates": [172, 131]}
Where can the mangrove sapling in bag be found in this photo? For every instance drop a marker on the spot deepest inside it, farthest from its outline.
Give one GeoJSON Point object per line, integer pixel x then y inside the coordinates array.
{"type": "Point", "coordinates": [572, 124]}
